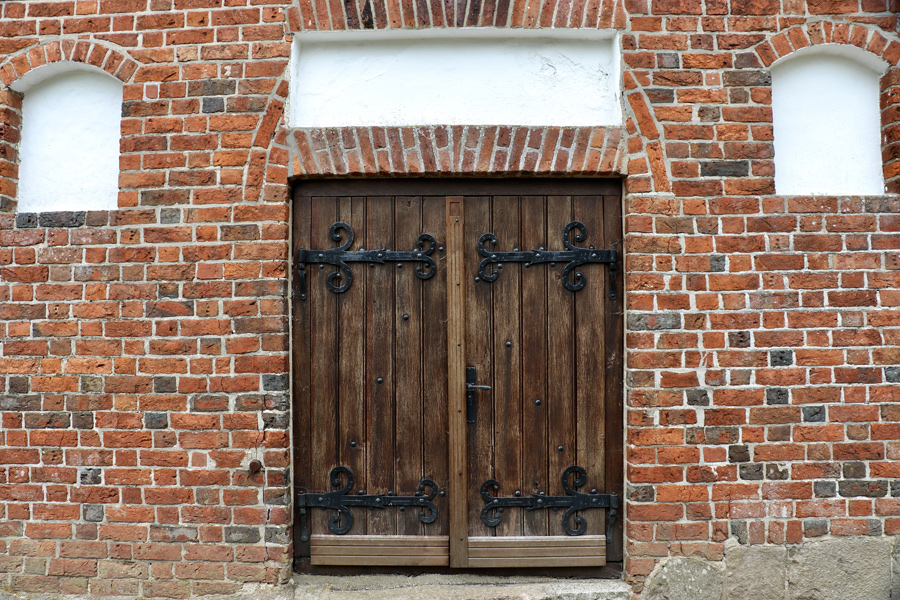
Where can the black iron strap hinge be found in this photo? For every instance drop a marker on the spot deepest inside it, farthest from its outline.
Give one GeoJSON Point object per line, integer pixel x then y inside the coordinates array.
{"type": "Point", "coordinates": [342, 499]}
{"type": "Point", "coordinates": [573, 502]}
{"type": "Point", "coordinates": [339, 281]}
{"type": "Point", "coordinates": [574, 256]}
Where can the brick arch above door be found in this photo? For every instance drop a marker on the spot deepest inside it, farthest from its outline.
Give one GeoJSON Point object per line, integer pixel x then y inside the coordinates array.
{"type": "Point", "coordinates": [481, 150]}
{"type": "Point", "coordinates": [325, 15]}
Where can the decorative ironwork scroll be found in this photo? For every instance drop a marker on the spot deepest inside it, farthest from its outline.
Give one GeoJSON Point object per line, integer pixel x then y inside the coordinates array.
{"type": "Point", "coordinates": [573, 279]}
{"type": "Point", "coordinates": [341, 500]}
{"type": "Point", "coordinates": [339, 281]}
{"type": "Point", "coordinates": [573, 502]}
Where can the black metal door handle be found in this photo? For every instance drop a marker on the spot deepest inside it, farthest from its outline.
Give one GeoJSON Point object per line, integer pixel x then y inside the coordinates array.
{"type": "Point", "coordinates": [471, 388]}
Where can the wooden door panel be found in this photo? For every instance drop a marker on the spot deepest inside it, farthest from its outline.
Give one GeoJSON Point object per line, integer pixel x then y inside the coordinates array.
{"type": "Point", "coordinates": [546, 347]}
{"type": "Point", "coordinates": [363, 378]}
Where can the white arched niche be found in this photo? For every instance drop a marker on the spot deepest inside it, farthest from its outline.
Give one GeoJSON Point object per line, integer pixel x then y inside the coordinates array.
{"type": "Point", "coordinates": [69, 153]}
{"type": "Point", "coordinates": [827, 123]}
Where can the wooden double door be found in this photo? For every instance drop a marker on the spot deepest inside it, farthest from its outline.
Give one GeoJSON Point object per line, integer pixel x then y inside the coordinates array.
{"type": "Point", "coordinates": [457, 372]}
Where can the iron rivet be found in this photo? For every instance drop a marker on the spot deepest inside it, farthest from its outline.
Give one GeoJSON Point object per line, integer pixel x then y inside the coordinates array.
{"type": "Point", "coordinates": [371, 265]}
{"type": "Point", "coordinates": [406, 317]}
{"type": "Point", "coordinates": [493, 257]}
{"type": "Point", "coordinates": [458, 222]}
{"type": "Point", "coordinates": [553, 264]}
{"type": "Point", "coordinates": [390, 493]}
{"type": "Point", "coordinates": [321, 266]}
{"type": "Point", "coordinates": [377, 499]}
{"type": "Point", "coordinates": [478, 279]}
{"type": "Point", "coordinates": [560, 448]}
{"type": "Point", "coordinates": [321, 498]}
{"type": "Point", "coordinates": [508, 344]}
{"type": "Point", "coordinates": [353, 444]}
{"type": "Point", "coordinates": [402, 509]}
{"type": "Point", "coordinates": [460, 472]}
{"type": "Point", "coordinates": [399, 265]}
{"type": "Point", "coordinates": [518, 493]}
{"type": "Point", "coordinates": [361, 492]}
{"type": "Point", "coordinates": [500, 266]}
{"type": "Point", "coordinates": [527, 265]}
{"type": "Point", "coordinates": [303, 296]}
{"type": "Point", "coordinates": [459, 410]}
{"type": "Point", "coordinates": [538, 401]}
{"type": "Point", "coordinates": [541, 248]}
{"type": "Point", "coordinates": [440, 248]}
{"type": "Point", "coordinates": [443, 493]}
{"type": "Point", "coordinates": [500, 510]}
{"type": "Point", "coordinates": [457, 283]}
{"type": "Point", "coordinates": [515, 249]}
{"type": "Point", "coordinates": [594, 491]}
{"type": "Point", "coordinates": [321, 256]}
{"type": "Point", "coordinates": [381, 380]}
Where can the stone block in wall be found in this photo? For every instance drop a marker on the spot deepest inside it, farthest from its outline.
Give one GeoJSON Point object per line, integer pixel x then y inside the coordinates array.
{"type": "Point", "coordinates": [755, 573]}
{"type": "Point", "coordinates": [685, 578]}
{"type": "Point", "coordinates": [845, 568]}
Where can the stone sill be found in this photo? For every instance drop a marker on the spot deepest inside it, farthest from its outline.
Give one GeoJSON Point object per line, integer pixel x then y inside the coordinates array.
{"type": "Point", "coordinates": [455, 587]}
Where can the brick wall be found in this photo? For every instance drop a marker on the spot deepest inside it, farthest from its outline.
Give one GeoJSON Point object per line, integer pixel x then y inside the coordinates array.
{"type": "Point", "coordinates": [144, 360]}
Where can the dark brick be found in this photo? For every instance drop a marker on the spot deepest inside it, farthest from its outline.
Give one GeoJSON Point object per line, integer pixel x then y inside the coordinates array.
{"type": "Point", "coordinates": [739, 339]}
{"type": "Point", "coordinates": [781, 358]}
{"type": "Point", "coordinates": [213, 104]}
{"type": "Point", "coordinates": [814, 414]}
{"type": "Point", "coordinates": [641, 493]}
{"type": "Point", "coordinates": [62, 219]}
{"type": "Point", "coordinates": [738, 453]}
{"type": "Point", "coordinates": [777, 396]}
{"type": "Point", "coordinates": [26, 220]}
{"type": "Point", "coordinates": [93, 513]}
{"type": "Point", "coordinates": [855, 488]}
{"type": "Point", "coordinates": [242, 535]}
{"type": "Point", "coordinates": [90, 477]}
{"type": "Point", "coordinates": [697, 397]}
{"type": "Point", "coordinates": [724, 168]}
{"type": "Point", "coordinates": [815, 527]}
{"type": "Point", "coordinates": [854, 469]}
{"type": "Point", "coordinates": [165, 385]}
{"type": "Point", "coordinates": [751, 471]}
{"type": "Point", "coordinates": [776, 472]}
{"type": "Point", "coordinates": [825, 489]}
{"type": "Point", "coordinates": [654, 322]}
{"type": "Point", "coordinates": [275, 383]}
{"type": "Point", "coordinates": [156, 420]}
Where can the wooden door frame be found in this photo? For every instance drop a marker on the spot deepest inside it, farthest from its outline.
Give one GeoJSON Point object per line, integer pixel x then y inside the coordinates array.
{"type": "Point", "coordinates": [453, 189]}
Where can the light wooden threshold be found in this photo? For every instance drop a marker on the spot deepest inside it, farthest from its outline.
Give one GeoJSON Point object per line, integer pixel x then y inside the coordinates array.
{"type": "Point", "coordinates": [380, 550]}
{"type": "Point", "coordinates": [538, 551]}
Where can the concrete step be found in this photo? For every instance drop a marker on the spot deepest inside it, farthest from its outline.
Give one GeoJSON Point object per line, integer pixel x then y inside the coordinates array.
{"type": "Point", "coordinates": [456, 587]}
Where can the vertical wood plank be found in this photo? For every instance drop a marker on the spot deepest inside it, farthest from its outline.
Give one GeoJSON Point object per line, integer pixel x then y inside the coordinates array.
{"type": "Point", "coordinates": [300, 329]}
{"type": "Point", "coordinates": [560, 360]}
{"type": "Point", "coordinates": [350, 359]}
{"type": "Point", "coordinates": [408, 352]}
{"type": "Point", "coordinates": [506, 380]}
{"type": "Point", "coordinates": [590, 337]}
{"type": "Point", "coordinates": [324, 392]}
{"type": "Point", "coordinates": [434, 361]}
{"type": "Point", "coordinates": [479, 353]}
{"type": "Point", "coordinates": [614, 353]}
{"type": "Point", "coordinates": [456, 362]}
{"type": "Point", "coordinates": [534, 370]}
{"type": "Point", "coordinates": [380, 364]}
